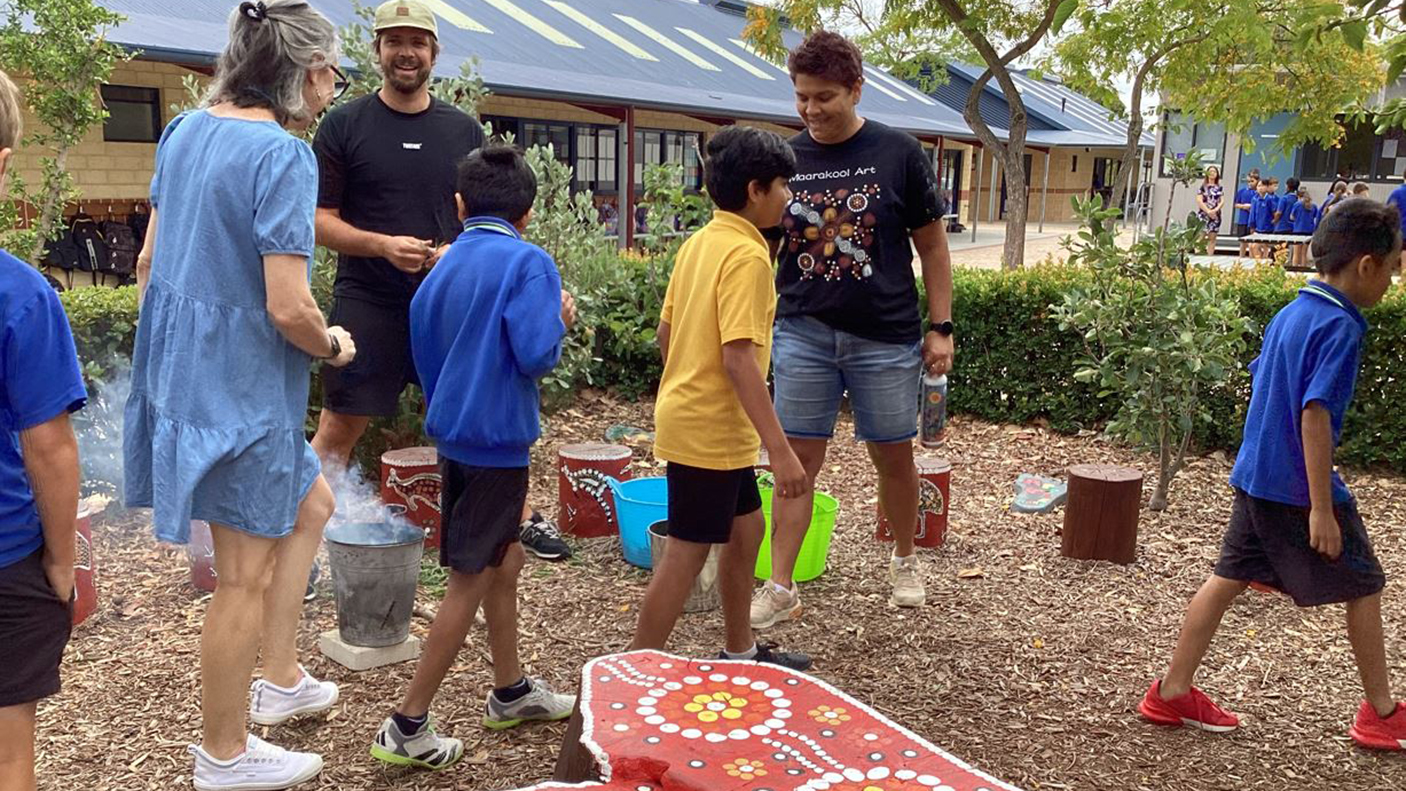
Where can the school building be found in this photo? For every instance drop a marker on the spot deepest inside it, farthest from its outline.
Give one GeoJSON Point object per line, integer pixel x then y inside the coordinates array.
{"type": "Point", "coordinates": [613, 85]}
{"type": "Point", "coordinates": [1379, 160]}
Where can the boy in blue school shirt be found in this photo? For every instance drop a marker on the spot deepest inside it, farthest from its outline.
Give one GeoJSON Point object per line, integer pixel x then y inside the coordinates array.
{"type": "Point", "coordinates": [1396, 200]}
{"type": "Point", "coordinates": [1262, 212]}
{"type": "Point", "coordinates": [1303, 220]}
{"type": "Point", "coordinates": [1244, 202]}
{"type": "Point", "coordinates": [1282, 224]}
{"type": "Point", "coordinates": [40, 384]}
{"type": "Point", "coordinates": [486, 324]}
{"type": "Point", "coordinates": [1295, 526]}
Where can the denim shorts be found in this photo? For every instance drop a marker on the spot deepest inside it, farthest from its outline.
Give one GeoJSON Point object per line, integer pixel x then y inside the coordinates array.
{"type": "Point", "coordinates": [815, 364]}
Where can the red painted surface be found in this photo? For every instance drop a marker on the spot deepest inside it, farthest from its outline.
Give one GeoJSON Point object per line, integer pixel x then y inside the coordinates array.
{"type": "Point", "coordinates": [201, 554]}
{"type": "Point", "coordinates": [85, 589]}
{"type": "Point", "coordinates": [934, 496]}
{"type": "Point", "coordinates": [410, 477]}
{"type": "Point", "coordinates": [656, 722]}
{"type": "Point", "coordinates": [585, 506]}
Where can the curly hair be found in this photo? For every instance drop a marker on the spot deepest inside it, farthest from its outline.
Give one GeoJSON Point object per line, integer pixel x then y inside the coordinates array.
{"type": "Point", "coordinates": [828, 56]}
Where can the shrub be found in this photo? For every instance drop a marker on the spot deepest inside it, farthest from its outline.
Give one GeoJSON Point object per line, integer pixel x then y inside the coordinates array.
{"type": "Point", "coordinates": [104, 324]}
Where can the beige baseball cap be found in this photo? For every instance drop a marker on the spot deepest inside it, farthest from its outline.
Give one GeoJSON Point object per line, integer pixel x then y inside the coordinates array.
{"type": "Point", "coordinates": [405, 13]}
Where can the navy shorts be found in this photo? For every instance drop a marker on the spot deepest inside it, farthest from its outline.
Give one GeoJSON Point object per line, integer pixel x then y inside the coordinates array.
{"type": "Point", "coordinates": [34, 628]}
{"type": "Point", "coordinates": [1267, 542]}
{"type": "Point", "coordinates": [480, 514]}
{"type": "Point", "coordinates": [703, 503]}
{"type": "Point", "coordinates": [370, 386]}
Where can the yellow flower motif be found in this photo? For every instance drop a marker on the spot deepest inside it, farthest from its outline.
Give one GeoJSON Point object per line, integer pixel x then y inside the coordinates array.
{"type": "Point", "coordinates": [744, 769]}
{"type": "Point", "coordinates": [719, 705]}
{"type": "Point", "coordinates": [828, 716]}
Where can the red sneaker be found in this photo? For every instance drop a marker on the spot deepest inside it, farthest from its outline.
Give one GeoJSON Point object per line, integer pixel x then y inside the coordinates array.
{"type": "Point", "coordinates": [1193, 708]}
{"type": "Point", "coordinates": [1374, 731]}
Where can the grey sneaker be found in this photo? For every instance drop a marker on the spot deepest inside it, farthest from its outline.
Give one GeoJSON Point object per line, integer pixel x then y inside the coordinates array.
{"type": "Point", "coordinates": [906, 574]}
{"type": "Point", "coordinates": [772, 605]}
{"type": "Point", "coordinates": [539, 705]}
{"type": "Point", "coordinates": [423, 750]}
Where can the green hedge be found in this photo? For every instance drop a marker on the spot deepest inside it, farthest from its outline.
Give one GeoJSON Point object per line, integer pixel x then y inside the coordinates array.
{"type": "Point", "coordinates": [1014, 365]}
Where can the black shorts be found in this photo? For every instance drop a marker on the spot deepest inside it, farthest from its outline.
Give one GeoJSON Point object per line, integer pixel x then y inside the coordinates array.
{"type": "Point", "coordinates": [703, 503]}
{"type": "Point", "coordinates": [34, 628]}
{"type": "Point", "coordinates": [480, 511]}
{"type": "Point", "coordinates": [1267, 542]}
{"type": "Point", "coordinates": [371, 385]}
{"type": "Point", "coordinates": [1243, 229]}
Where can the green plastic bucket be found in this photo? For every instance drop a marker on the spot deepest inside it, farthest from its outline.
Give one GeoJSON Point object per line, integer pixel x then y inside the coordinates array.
{"type": "Point", "coordinates": [810, 563]}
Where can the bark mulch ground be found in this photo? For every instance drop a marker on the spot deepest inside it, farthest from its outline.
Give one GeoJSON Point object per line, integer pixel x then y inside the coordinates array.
{"type": "Point", "coordinates": [1023, 663]}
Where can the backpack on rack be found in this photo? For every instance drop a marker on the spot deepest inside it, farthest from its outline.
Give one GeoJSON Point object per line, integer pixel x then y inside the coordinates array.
{"type": "Point", "coordinates": [92, 250]}
{"type": "Point", "coordinates": [62, 253]}
{"type": "Point", "coordinates": [122, 247]}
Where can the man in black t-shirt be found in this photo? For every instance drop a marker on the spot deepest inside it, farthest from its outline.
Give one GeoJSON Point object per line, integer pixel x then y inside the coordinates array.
{"type": "Point", "coordinates": [387, 163]}
{"type": "Point", "coordinates": [847, 317]}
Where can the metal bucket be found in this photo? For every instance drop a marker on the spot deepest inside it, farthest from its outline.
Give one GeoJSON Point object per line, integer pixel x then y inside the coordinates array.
{"type": "Point", "coordinates": [704, 595]}
{"type": "Point", "coordinates": [375, 568]}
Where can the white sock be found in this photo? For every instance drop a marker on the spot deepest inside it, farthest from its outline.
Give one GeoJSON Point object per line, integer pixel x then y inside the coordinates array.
{"type": "Point", "coordinates": [750, 653]}
{"type": "Point", "coordinates": [782, 588]}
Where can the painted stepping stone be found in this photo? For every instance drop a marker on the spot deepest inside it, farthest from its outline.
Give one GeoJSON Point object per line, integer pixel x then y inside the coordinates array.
{"type": "Point", "coordinates": [1037, 495]}
{"type": "Point", "coordinates": [649, 721]}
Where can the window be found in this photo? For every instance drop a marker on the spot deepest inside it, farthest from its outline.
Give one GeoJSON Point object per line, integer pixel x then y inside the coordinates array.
{"type": "Point", "coordinates": [596, 158]}
{"type": "Point", "coordinates": [541, 133]}
{"type": "Point", "coordinates": [1180, 136]}
{"type": "Point", "coordinates": [1359, 156]}
{"type": "Point", "coordinates": [504, 127]}
{"type": "Point", "coordinates": [678, 148]}
{"type": "Point", "coordinates": [134, 114]}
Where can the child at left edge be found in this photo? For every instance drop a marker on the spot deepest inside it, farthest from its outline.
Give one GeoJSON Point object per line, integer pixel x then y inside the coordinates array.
{"type": "Point", "coordinates": [713, 411]}
{"type": "Point", "coordinates": [487, 323]}
{"type": "Point", "coordinates": [1295, 525]}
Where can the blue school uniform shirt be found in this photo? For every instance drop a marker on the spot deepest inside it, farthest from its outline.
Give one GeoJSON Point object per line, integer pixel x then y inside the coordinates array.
{"type": "Point", "coordinates": [1263, 212]}
{"type": "Point", "coordinates": [39, 380]}
{"type": "Point", "coordinates": [1286, 204]}
{"type": "Point", "coordinates": [1311, 352]}
{"type": "Point", "coordinates": [1245, 195]}
{"type": "Point", "coordinates": [1304, 219]}
{"type": "Point", "coordinates": [1397, 198]}
{"type": "Point", "coordinates": [484, 327]}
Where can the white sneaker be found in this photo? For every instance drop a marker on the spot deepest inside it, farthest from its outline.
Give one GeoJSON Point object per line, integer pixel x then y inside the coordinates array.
{"type": "Point", "coordinates": [271, 705]}
{"type": "Point", "coordinates": [907, 577]}
{"type": "Point", "coordinates": [261, 767]}
{"type": "Point", "coordinates": [539, 705]}
{"type": "Point", "coordinates": [772, 604]}
{"type": "Point", "coordinates": [422, 750]}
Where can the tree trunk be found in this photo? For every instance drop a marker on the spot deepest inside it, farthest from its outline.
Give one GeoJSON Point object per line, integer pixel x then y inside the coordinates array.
{"type": "Point", "coordinates": [1101, 513]}
{"type": "Point", "coordinates": [1017, 203]}
{"type": "Point", "coordinates": [50, 212]}
{"type": "Point", "coordinates": [1164, 475]}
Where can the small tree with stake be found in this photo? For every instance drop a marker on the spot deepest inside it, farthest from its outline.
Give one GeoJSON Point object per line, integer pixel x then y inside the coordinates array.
{"type": "Point", "coordinates": [1157, 335]}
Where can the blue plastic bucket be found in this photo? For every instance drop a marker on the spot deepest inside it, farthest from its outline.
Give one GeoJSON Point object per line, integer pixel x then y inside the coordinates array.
{"type": "Point", "coordinates": [639, 503]}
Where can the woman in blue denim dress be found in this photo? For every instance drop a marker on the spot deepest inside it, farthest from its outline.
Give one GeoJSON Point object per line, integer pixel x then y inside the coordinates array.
{"type": "Point", "coordinates": [227, 332]}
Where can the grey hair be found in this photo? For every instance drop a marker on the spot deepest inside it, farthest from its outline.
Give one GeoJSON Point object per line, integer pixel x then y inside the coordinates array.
{"type": "Point", "coordinates": [272, 47]}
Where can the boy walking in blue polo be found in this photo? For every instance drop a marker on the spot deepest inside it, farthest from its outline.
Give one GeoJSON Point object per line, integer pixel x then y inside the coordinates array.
{"type": "Point", "coordinates": [1295, 525]}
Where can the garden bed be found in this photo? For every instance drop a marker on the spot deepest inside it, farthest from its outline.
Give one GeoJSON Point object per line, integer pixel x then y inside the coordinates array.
{"type": "Point", "coordinates": [1023, 663]}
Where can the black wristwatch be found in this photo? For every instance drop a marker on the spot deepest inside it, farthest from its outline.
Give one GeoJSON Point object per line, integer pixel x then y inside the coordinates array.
{"type": "Point", "coordinates": [943, 328]}
{"type": "Point", "coordinates": [336, 347]}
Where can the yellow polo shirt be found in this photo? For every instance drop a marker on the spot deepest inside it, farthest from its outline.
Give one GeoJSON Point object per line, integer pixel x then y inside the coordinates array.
{"type": "Point", "coordinates": [722, 290]}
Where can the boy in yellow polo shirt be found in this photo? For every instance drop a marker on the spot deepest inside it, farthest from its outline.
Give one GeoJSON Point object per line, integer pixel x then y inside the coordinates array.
{"type": "Point", "coordinates": [713, 412]}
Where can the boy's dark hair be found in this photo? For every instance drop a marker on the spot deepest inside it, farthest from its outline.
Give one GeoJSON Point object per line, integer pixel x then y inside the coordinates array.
{"type": "Point", "coordinates": [1292, 184]}
{"type": "Point", "coordinates": [1253, 174]}
{"type": "Point", "coordinates": [739, 155]}
{"type": "Point", "coordinates": [1354, 228]}
{"type": "Point", "coordinates": [1271, 181]}
{"type": "Point", "coordinates": [829, 56]}
{"type": "Point", "coordinates": [495, 181]}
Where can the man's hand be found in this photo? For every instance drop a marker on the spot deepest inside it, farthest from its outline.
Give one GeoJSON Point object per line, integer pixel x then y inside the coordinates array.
{"type": "Point", "coordinates": [937, 353]}
{"type": "Point", "coordinates": [60, 575]}
{"type": "Point", "coordinates": [348, 352]}
{"type": "Point", "coordinates": [568, 309]}
{"type": "Point", "coordinates": [406, 253]}
{"type": "Point", "coordinates": [1324, 534]}
{"type": "Point", "coordinates": [790, 477]}
{"type": "Point", "coordinates": [436, 255]}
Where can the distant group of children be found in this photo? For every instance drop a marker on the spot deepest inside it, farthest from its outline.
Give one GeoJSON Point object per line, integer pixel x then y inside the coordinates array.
{"type": "Point", "coordinates": [1259, 208]}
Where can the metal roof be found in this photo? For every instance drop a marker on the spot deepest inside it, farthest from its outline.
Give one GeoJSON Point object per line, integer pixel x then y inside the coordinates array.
{"type": "Point", "coordinates": [680, 55]}
{"type": "Point", "coordinates": [1069, 117]}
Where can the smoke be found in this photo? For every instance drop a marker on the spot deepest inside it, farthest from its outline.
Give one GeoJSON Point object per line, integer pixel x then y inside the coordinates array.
{"type": "Point", "coordinates": [359, 498]}
{"type": "Point", "coordinates": [98, 427]}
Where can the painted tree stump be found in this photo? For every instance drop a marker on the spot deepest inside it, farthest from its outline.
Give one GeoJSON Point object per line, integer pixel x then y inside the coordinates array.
{"type": "Point", "coordinates": [648, 721]}
{"type": "Point", "coordinates": [934, 493]}
{"type": "Point", "coordinates": [85, 587]}
{"type": "Point", "coordinates": [1035, 494]}
{"type": "Point", "coordinates": [586, 507]}
{"type": "Point", "coordinates": [1101, 513]}
{"type": "Point", "coordinates": [410, 477]}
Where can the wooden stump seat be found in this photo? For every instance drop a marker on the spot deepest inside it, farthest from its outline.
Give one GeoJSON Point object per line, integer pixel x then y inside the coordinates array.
{"type": "Point", "coordinates": [1101, 514]}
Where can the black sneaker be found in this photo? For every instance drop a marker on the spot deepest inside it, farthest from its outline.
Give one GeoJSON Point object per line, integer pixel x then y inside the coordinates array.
{"type": "Point", "coordinates": [542, 538]}
{"type": "Point", "coordinates": [767, 653]}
